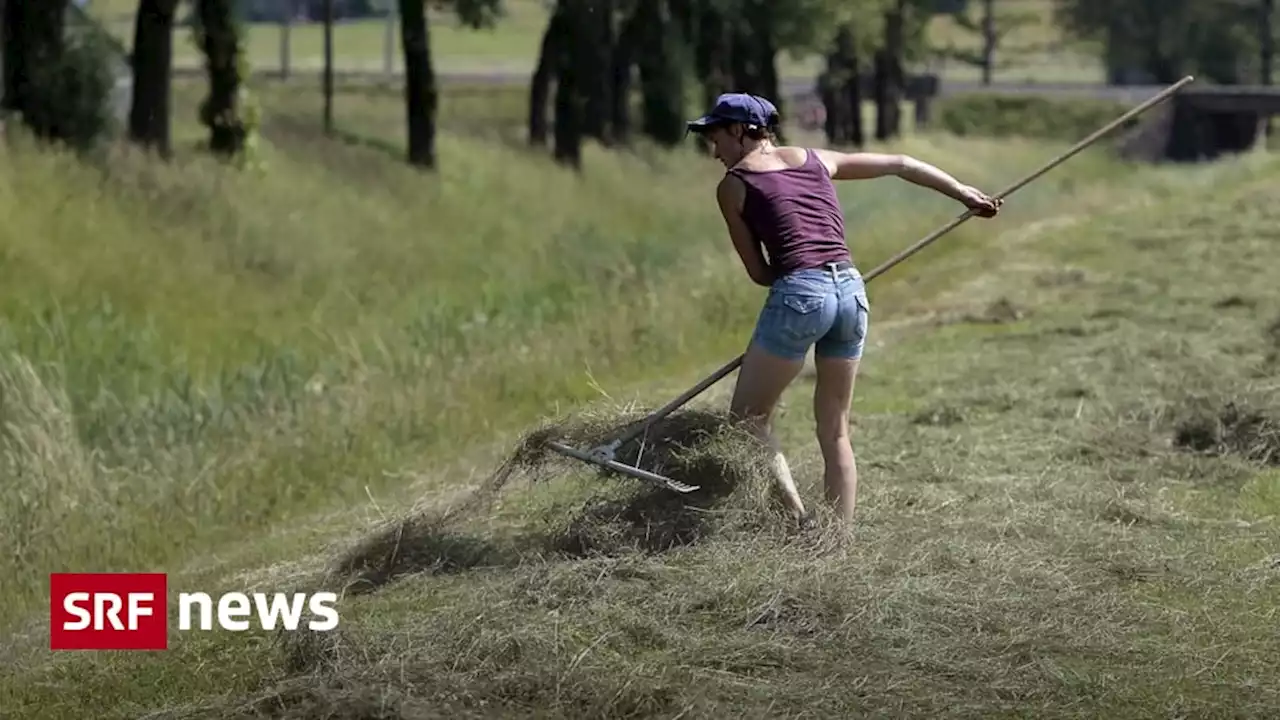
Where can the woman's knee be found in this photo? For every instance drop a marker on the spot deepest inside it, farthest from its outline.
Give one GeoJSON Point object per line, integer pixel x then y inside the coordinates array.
{"type": "Point", "coordinates": [832, 428]}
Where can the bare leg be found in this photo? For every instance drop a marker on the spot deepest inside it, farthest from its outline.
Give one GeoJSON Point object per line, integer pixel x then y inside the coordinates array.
{"type": "Point", "coordinates": [831, 397]}
{"type": "Point", "coordinates": [761, 381]}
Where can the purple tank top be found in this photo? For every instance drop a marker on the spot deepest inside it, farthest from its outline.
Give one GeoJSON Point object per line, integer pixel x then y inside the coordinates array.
{"type": "Point", "coordinates": [795, 214]}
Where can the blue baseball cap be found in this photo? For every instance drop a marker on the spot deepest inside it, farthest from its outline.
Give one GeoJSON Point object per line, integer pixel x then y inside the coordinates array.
{"type": "Point", "coordinates": [737, 107]}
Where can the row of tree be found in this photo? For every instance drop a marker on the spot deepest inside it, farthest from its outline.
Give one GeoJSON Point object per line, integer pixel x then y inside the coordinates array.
{"type": "Point", "coordinates": [1223, 41]}
{"type": "Point", "coordinates": [594, 51]}
{"type": "Point", "coordinates": [590, 47]}
{"type": "Point", "coordinates": [60, 72]}
{"type": "Point", "coordinates": [677, 49]}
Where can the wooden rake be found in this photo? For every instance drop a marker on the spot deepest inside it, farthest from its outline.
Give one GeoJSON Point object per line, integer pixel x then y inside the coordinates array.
{"type": "Point", "coordinates": [605, 455]}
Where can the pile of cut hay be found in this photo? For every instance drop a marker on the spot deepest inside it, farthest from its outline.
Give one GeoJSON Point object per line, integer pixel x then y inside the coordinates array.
{"type": "Point", "coordinates": [699, 447]}
{"type": "Point", "coordinates": [1248, 428]}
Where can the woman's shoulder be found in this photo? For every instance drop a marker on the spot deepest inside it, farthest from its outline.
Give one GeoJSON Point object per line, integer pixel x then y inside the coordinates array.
{"type": "Point", "coordinates": [794, 155]}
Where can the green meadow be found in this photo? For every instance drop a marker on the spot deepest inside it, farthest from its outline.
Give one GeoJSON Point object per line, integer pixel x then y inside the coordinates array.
{"type": "Point", "coordinates": [1065, 426]}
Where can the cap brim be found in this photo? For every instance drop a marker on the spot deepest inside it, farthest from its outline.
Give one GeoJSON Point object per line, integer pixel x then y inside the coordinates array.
{"type": "Point", "coordinates": [701, 123]}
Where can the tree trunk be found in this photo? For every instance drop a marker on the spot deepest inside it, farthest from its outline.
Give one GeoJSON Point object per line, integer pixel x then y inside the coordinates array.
{"type": "Point", "coordinates": [685, 13]}
{"type": "Point", "coordinates": [1268, 53]}
{"type": "Point", "coordinates": [988, 40]}
{"type": "Point", "coordinates": [662, 73]}
{"type": "Point", "coordinates": [149, 114]}
{"type": "Point", "coordinates": [598, 46]}
{"type": "Point", "coordinates": [828, 88]}
{"type": "Point", "coordinates": [1268, 40]}
{"type": "Point", "coordinates": [10, 47]}
{"type": "Point", "coordinates": [220, 112]}
{"type": "Point", "coordinates": [853, 94]}
{"type": "Point", "coordinates": [420, 95]}
{"type": "Point", "coordinates": [841, 94]}
{"type": "Point", "coordinates": [743, 72]}
{"type": "Point", "coordinates": [569, 96]}
{"type": "Point", "coordinates": [33, 32]}
{"type": "Point", "coordinates": [889, 77]}
{"type": "Point", "coordinates": [761, 22]}
{"type": "Point", "coordinates": [553, 39]}
{"type": "Point", "coordinates": [714, 59]}
{"type": "Point", "coordinates": [624, 59]}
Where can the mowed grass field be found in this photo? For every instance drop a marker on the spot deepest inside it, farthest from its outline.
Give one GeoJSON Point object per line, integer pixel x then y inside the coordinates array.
{"type": "Point", "coordinates": [1065, 428]}
{"type": "Point", "coordinates": [1032, 51]}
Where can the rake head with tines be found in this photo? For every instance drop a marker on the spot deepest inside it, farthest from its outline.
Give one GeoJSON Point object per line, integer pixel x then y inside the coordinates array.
{"type": "Point", "coordinates": [604, 457]}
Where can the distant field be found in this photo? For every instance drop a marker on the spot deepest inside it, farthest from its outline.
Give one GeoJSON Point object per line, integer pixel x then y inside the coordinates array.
{"type": "Point", "coordinates": [1035, 50]}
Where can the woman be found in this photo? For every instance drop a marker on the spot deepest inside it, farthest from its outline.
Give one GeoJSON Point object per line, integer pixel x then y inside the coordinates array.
{"type": "Point", "coordinates": [781, 201]}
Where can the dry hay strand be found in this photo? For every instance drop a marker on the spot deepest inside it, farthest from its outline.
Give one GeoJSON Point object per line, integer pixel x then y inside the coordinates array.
{"type": "Point", "coordinates": [1001, 311]}
{"type": "Point", "coordinates": [698, 447]}
{"type": "Point", "coordinates": [1247, 428]}
{"type": "Point", "coordinates": [333, 697]}
{"type": "Point", "coordinates": [731, 468]}
{"type": "Point", "coordinates": [1272, 333]}
{"type": "Point", "coordinates": [419, 543]}
{"type": "Point", "coordinates": [675, 446]}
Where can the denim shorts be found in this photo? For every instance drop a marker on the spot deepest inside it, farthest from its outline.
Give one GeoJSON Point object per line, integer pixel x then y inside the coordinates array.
{"type": "Point", "coordinates": [824, 308]}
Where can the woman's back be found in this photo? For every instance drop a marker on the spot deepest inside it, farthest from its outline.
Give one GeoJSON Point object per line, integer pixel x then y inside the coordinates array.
{"type": "Point", "coordinates": [792, 208]}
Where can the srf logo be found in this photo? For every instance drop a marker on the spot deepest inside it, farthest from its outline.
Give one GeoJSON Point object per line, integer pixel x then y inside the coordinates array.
{"type": "Point", "coordinates": [108, 611]}
{"type": "Point", "coordinates": [129, 611]}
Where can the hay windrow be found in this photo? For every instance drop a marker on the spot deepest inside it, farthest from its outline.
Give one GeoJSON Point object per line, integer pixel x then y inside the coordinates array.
{"type": "Point", "coordinates": [1247, 427]}
{"type": "Point", "coordinates": [699, 447]}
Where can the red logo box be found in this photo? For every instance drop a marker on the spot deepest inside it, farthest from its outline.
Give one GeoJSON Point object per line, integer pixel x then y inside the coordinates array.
{"type": "Point", "coordinates": [108, 611]}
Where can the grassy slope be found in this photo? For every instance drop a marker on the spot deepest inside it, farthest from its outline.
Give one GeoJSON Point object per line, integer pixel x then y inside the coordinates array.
{"type": "Point", "coordinates": [342, 310]}
{"type": "Point", "coordinates": [1046, 549]}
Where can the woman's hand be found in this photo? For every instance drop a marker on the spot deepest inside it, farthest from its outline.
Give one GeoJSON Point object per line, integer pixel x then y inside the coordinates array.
{"type": "Point", "coordinates": [980, 203]}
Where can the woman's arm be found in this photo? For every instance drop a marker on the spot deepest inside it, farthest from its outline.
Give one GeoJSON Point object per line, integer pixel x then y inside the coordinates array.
{"type": "Point", "coordinates": [729, 195]}
{"type": "Point", "coordinates": [864, 166]}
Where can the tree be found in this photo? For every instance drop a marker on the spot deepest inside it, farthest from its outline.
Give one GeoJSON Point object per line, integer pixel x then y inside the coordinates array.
{"type": "Point", "coordinates": [570, 100]}
{"type": "Point", "coordinates": [628, 44]}
{"type": "Point", "coordinates": [890, 31]}
{"type": "Point", "coordinates": [590, 50]}
{"type": "Point", "coordinates": [1162, 40]}
{"type": "Point", "coordinates": [218, 34]}
{"type": "Point", "coordinates": [421, 97]}
{"type": "Point", "coordinates": [59, 72]}
{"type": "Point", "coordinates": [33, 41]}
{"type": "Point", "coordinates": [1267, 49]}
{"type": "Point", "coordinates": [890, 77]}
{"type": "Point", "coordinates": [992, 29]}
{"type": "Point", "coordinates": [1266, 39]}
{"type": "Point", "coordinates": [598, 47]}
{"type": "Point", "coordinates": [152, 60]}
{"type": "Point", "coordinates": [663, 71]}
{"type": "Point", "coordinates": [726, 45]}
{"type": "Point", "coordinates": [840, 87]}
{"type": "Point", "coordinates": [11, 47]}
{"type": "Point", "coordinates": [554, 37]}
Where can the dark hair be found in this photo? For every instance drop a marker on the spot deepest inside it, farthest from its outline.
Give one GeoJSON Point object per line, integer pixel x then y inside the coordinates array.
{"type": "Point", "coordinates": [754, 132]}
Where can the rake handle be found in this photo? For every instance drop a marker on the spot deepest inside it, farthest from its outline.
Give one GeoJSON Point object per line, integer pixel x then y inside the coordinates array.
{"type": "Point", "coordinates": [732, 365]}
